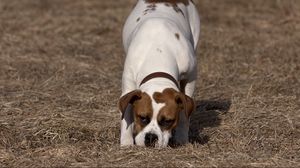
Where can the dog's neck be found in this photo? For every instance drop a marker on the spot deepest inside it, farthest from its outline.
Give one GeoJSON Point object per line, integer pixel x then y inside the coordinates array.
{"type": "Point", "coordinates": [160, 75]}
{"type": "Point", "coordinates": [158, 84]}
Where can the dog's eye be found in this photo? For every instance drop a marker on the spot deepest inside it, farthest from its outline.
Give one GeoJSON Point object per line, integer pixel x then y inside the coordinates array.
{"type": "Point", "coordinates": [166, 122]}
{"type": "Point", "coordinates": [144, 120]}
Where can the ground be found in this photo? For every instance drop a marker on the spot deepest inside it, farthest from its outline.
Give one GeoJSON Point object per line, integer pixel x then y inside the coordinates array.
{"type": "Point", "coordinates": [60, 78]}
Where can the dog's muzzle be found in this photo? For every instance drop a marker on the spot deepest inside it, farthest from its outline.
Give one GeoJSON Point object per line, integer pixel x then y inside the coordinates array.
{"type": "Point", "coordinates": [150, 139]}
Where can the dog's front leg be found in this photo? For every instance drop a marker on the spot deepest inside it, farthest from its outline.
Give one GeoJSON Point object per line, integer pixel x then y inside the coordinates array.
{"type": "Point", "coordinates": [190, 88]}
{"type": "Point", "coordinates": [126, 138]}
{"type": "Point", "coordinates": [181, 132]}
{"type": "Point", "coordinates": [181, 135]}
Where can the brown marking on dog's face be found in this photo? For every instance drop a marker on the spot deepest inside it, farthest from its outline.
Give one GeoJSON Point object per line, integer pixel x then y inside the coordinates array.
{"type": "Point", "coordinates": [177, 36]}
{"type": "Point", "coordinates": [168, 115]}
{"type": "Point", "coordinates": [142, 112]}
{"type": "Point", "coordinates": [185, 2]}
{"type": "Point", "coordinates": [141, 107]}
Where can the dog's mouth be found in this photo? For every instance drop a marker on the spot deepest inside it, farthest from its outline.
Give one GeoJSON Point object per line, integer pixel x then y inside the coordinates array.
{"type": "Point", "coordinates": [154, 141]}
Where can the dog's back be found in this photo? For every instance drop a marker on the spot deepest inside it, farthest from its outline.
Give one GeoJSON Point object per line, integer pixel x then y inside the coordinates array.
{"type": "Point", "coordinates": [182, 13]}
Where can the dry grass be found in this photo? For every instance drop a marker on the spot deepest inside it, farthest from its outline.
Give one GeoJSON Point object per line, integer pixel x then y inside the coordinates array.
{"type": "Point", "coordinates": [60, 71]}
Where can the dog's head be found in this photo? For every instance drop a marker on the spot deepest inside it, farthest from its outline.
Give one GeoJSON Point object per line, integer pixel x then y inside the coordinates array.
{"type": "Point", "coordinates": [156, 115]}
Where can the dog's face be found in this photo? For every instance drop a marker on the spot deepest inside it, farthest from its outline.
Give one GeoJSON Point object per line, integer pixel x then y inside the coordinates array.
{"type": "Point", "coordinates": [156, 115]}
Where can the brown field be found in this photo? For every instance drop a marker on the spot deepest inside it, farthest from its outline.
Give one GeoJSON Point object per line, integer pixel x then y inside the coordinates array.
{"type": "Point", "coordinates": [60, 69]}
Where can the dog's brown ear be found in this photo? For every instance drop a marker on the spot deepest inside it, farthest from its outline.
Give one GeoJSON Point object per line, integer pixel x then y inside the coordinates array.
{"type": "Point", "coordinates": [186, 102]}
{"type": "Point", "coordinates": [129, 98]}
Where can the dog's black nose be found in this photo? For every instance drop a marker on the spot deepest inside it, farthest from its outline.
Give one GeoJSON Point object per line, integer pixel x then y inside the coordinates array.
{"type": "Point", "coordinates": [150, 139]}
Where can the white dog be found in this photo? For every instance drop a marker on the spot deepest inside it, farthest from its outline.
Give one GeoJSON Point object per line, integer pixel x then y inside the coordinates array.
{"type": "Point", "coordinates": [160, 38]}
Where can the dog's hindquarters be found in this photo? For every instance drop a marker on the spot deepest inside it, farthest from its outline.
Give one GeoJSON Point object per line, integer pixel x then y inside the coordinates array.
{"type": "Point", "coordinates": [194, 20]}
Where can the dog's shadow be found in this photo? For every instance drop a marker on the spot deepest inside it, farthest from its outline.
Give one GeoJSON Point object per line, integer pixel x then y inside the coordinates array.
{"type": "Point", "coordinates": [207, 114]}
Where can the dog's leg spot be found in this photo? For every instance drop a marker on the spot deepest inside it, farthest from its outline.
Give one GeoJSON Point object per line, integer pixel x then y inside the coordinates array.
{"type": "Point", "coordinates": [138, 19]}
{"type": "Point", "coordinates": [177, 36]}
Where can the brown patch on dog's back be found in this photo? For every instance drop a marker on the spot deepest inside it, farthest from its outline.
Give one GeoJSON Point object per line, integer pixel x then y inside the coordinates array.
{"type": "Point", "coordinates": [168, 3]}
{"type": "Point", "coordinates": [177, 36]}
{"type": "Point", "coordinates": [151, 6]}
{"type": "Point", "coordinates": [185, 2]}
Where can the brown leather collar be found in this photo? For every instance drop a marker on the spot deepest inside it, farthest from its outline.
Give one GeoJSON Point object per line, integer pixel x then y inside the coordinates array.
{"type": "Point", "coordinates": [160, 75]}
